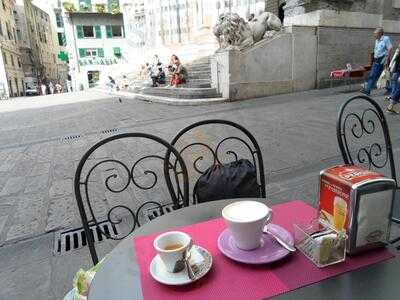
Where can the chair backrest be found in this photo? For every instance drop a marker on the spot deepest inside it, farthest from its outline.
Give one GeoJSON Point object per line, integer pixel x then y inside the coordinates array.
{"type": "Point", "coordinates": [211, 142]}
{"type": "Point", "coordinates": [363, 135]}
{"type": "Point", "coordinates": [119, 181]}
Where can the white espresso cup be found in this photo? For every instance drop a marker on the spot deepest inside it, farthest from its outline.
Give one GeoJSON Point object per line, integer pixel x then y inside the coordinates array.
{"type": "Point", "coordinates": [245, 220]}
{"type": "Point", "coordinates": [172, 246]}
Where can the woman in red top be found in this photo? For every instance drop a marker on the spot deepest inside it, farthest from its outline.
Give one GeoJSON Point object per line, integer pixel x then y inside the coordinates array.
{"type": "Point", "coordinates": [178, 72]}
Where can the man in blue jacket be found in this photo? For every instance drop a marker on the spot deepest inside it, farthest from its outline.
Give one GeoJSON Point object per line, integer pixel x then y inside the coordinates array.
{"type": "Point", "coordinates": [382, 55]}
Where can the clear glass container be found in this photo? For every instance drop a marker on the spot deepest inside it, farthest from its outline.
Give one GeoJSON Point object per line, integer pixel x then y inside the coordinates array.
{"type": "Point", "coordinates": [320, 243]}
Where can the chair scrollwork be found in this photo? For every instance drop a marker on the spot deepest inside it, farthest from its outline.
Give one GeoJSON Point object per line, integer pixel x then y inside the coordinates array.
{"type": "Point", "coordinates": [98, 180]}
{"type": "Point", "coordinates": [223, 148]}
{"type": "Point", "coordinates": [363, 135]}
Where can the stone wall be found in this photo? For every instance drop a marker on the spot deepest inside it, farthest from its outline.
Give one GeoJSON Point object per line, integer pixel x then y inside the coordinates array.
{"type": "Point", "coordinates": [285, 64]}
{"type": "Point", "coordinates": [295, 7]}
{"type": "Point", "coordinates": [339, 46]}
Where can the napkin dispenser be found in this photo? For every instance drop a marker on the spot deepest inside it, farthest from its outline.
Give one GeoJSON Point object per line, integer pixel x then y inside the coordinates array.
{"type": "Point", "coordinates": [358, 202]}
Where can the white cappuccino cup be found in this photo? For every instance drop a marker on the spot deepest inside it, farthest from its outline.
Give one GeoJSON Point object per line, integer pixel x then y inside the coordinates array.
{"type": "Point", "coordinates": [246, 220]}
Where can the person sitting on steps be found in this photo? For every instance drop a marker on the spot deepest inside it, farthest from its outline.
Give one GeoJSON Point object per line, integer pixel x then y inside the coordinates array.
{"type": "Point", "coordinates": [179, 73]}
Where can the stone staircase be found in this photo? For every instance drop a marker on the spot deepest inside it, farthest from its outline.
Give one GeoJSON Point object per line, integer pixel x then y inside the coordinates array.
{"type": "Point", "coordinates": [198, 85]}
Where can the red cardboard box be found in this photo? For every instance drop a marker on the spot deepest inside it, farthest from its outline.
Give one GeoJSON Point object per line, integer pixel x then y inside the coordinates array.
{"type": "Point", "coordinates": [359, 202]}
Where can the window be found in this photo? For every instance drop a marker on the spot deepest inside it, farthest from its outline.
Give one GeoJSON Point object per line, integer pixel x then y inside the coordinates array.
{"type": "Point", "coordinates": [12, 60]}
{"type": "Point", "coordinates": [5, 58]}
{"type": "Point", "coordinates": [61, 39]}
{"type": "Point", "coordinates": [19, 62]}
{"type": "Point", "coordinates": [88, 31]}
{"type": "Point", "coordinates": [117, 52]}
{"type": "Point", "coordinates": [1, 28]}
{"type": "Point", "coordinates": [4, 5]}
{"type": "Point", "coordinates": [19, 35]}
{"type": "Point", "coordinates": [114, 31]}
{"type": "Point", "coordinates": [59, 20]}
{"type": "Point", "coordinates": [85, 5]}
{"type": "Point", "coordinates": [8, 31]}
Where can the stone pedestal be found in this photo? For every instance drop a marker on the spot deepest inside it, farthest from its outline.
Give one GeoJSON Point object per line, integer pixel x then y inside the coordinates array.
{"type": "Point", "coordinates": [284, 64]}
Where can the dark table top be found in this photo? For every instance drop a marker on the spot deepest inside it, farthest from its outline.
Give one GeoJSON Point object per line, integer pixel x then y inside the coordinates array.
{"type": "Point", "coordinates": [119, 277]}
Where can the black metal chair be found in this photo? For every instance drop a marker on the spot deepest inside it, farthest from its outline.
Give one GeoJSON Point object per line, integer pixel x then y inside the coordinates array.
{"type": "Point", "coordinates": [364, 139]}
{"type": "Point", "coordinates": [113, 181]}
{"type": "Point", "coordinates": [195, 146]}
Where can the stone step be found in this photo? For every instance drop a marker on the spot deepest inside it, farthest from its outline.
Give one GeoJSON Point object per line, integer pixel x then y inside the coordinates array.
{"type": "Point", "coordinates": [181, 101]}
{"type": "Point", "coordinates": [181, 92]}
{"type": "Point", "coordinates": [198, 67]}
{"type": "Point", "coordinates": [199, 75]}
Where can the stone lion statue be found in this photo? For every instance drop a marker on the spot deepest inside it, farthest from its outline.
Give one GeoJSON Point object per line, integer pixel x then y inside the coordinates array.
{"type": "Point", "coordinates": [233, 32]}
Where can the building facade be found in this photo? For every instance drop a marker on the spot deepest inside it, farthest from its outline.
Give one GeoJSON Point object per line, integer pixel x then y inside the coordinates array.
{"type": "Point", "coordinates": [11, 72]}
{"type": "Point", "coordinates": [56, 19]}
{"type": "Point", "coordinates": [95, 42]}
{"type": "Point", "coordinates": [37, 43]}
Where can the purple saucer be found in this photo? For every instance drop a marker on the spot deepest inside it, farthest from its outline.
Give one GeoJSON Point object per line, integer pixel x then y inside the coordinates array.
{"type": "Point", "coordinates": [269, 251]}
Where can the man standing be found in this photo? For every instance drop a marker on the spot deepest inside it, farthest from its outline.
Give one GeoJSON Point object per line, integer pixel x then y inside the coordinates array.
{"type": "Point", "coordinates": [382, 55]}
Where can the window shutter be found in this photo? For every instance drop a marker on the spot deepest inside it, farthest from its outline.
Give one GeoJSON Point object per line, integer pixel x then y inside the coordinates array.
{"type": "Point", "coordinates": [97, 30]}
{"type": "Point", "coordinates": [82, 52]}
{"type": "Point", "coordinates": [79, 31]}
{"type": "Point", "coordinates": [100, 52]}
{"type": "Point", "coordinates": [109, 31]}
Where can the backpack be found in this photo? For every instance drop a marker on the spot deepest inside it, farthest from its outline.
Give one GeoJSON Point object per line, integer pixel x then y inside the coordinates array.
{"type": "Point", "coordinates": [237, 179]}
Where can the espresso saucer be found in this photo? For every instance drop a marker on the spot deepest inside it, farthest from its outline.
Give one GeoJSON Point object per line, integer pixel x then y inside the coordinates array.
{"type": "Point", "coordinates": [269, 251]}
{"type": "Point", "coordinates": [199, 257]}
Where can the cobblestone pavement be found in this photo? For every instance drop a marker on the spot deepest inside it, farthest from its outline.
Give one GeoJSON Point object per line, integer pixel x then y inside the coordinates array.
{"type": "Point", "coordinates": [41, 144]}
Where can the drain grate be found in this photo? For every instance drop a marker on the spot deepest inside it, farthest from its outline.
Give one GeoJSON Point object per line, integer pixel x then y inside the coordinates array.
{"type": "Point", "coordinates": [70, 138]}
{"type": "Point", "coordinates": [108, 131]}
{"type": "Point", "coordinates": [73, 239]}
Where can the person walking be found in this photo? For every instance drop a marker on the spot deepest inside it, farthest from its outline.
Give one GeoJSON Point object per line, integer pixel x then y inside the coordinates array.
{"type": "Point", "coordinates": [43, 88]}
{"type": "Point", "coordinates": [394, 68]}
{"type": "Point", "coordinates": [51, 87]}
{"type": "Point", "coordinates": [382, 55]}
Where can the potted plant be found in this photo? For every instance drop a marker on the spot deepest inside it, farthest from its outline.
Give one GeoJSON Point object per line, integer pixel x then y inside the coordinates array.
{"type": "Point", "coordinates": [100, 8]}
{"type": "Point", "coordinates": [69, 6]}
{"type": "Point", "coordinates": [115, 8]}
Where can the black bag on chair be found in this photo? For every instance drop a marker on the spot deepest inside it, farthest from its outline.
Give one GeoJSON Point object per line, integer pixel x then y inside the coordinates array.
{"type": "Point", "coordinates": [237, 179]}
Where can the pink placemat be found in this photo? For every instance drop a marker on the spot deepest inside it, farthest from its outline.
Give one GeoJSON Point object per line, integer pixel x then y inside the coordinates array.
{"type": "Point", "coordinates": [230, 280]}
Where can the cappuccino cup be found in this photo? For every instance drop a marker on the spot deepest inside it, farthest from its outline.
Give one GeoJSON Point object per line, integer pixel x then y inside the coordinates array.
{"type": "Point", "coordinates": [172, 247]}
{"type": "Point", "coordinates": [246, 220]}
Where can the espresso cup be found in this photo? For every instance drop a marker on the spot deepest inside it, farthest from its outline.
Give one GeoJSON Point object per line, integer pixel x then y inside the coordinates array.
{"type": "Point", "coordinates": [172, 247]}
{"type": "Point", "coordinates": [245, 220]}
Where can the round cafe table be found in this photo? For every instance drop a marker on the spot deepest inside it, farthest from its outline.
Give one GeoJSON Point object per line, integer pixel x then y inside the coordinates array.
{"type": "Point", "coordinates": [119, 277]}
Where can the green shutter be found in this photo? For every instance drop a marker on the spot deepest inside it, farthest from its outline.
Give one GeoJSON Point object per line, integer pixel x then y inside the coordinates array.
{"type": "Point", "coordinates": [82, 52]}
{"type": "Point", "coordinates": [97, 30]}
{"type": "Point", "coordinates": [100, 52]}
{"type": "Point", "coordinates": [79, 31]}
{"type": "Point", "coordinates": [117, 51]}
{"type": "Point", "coordinates": [109, 31]}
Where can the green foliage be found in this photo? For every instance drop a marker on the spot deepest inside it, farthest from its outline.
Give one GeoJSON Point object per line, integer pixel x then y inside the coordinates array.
{"type": "Point", "coordinates": [100, 7]}
{"type": "Point", "coordinates": [69, 6]}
